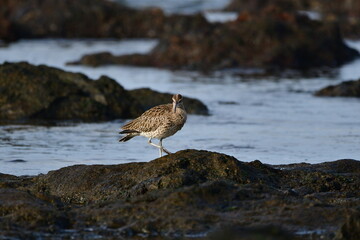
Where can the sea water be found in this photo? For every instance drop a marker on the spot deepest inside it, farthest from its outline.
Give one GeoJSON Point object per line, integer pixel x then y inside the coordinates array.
{"type": "Point", "coordinates": [275, 119]}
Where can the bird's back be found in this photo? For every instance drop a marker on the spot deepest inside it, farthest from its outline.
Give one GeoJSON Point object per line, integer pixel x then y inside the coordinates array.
{"type": "Point", "coordinates": [158, 122]}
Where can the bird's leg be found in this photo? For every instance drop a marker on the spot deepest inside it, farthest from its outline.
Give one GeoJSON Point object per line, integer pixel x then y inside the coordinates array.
{"type": "Point", "coordinates": [167, 151]}
{"type": "Point", "coordinates": [163, 149]}
{"type": "Point", "coordinates": [153, 144]}
{"type": "Point", "coordinates": [160, 148]}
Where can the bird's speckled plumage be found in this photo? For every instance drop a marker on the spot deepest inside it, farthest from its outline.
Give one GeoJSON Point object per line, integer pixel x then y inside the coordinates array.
{"type": "Point", "coordinates": [158, 122]}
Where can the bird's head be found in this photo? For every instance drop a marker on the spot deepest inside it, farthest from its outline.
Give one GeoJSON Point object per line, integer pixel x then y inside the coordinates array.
{"type": "Point", "coordinates": [177, 101]}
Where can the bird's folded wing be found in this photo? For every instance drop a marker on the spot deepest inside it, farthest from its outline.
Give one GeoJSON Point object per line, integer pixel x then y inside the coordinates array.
{"type": "Point", "coordinates": [150, 120]}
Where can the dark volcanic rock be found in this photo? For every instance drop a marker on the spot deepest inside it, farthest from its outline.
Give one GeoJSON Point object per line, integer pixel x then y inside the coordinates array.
{"type": "Point", "coordinates": [88, 19]}
{"type": "Point", "coordinates": [272, 39]}
{"type": "Point", "coordinates": [344, 13]}
{"type": "Point", "coordinates": [76, 19]}
{"type": "Point", "coordinates": [19, 210]}
{"type": "Point", "coordinates": [149, 98]}
{"type": "Point", "coordinates": [351, 229]}
{"type": "Point", "coordinates": [344, 89]}
{"type": "Point", "coordinates": [93, 183]}
{"type": "Point", "coordinates": [189, 193]}
{"type": "Point", "coordinates": [256, 233]}
{"type": "Point", "coordinates": [194, 209]}
{"type": "Point", "coordinates": [41, 92]}
{"type": "Point", "coordinates": [256, 6]}
{"type": "Point", "coordinates": [325, 177]}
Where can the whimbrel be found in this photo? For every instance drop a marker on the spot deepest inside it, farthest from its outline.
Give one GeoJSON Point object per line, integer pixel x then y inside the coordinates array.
{"type": "Point", "coordinates": [158, 122]}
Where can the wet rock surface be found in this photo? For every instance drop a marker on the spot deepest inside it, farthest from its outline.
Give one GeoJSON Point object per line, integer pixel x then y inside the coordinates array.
{"type": "Point", "coordinates": [271, 39]}
{"type": "Point", "coordinates": [190, 193]}
{"type": "Point", "coordinates": [29, 92]}
{"type": "Point", "coordinates": [344, 89]}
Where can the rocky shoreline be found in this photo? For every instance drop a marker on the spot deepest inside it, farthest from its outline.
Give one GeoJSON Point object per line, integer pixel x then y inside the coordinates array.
{"type": "Point", "coordinates": [31, 19]}
{"type": "Point", "coordinates": [268, 35]}
{"type": "Point", "coordinates": [271, 40]}
{"type": "Point", "coordinates": [191, 193]}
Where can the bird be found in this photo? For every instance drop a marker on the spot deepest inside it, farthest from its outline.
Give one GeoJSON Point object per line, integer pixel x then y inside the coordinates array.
{"type": "Point", "coordinates": [159, 122]}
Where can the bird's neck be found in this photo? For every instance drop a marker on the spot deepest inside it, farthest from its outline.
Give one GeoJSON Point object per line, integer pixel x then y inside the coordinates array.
{"type": "Point", "coordinates": [176, 107]}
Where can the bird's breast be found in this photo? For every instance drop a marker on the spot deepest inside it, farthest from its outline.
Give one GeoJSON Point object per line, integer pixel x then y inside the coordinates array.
{"type": "Point", "coordinates": [180, 115]}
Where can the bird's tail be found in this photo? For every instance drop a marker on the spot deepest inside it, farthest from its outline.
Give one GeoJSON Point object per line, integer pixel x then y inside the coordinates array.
{"type": "Point", "coordinates": [126, 138]}
{"type": "Point", "coordinates": [129, 135]}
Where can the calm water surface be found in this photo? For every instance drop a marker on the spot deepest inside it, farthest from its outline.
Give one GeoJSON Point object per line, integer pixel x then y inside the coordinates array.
{"type": "Point", "coordinates": [274, 119]}
{"type": "Point", "coordinates": [178, 6]}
